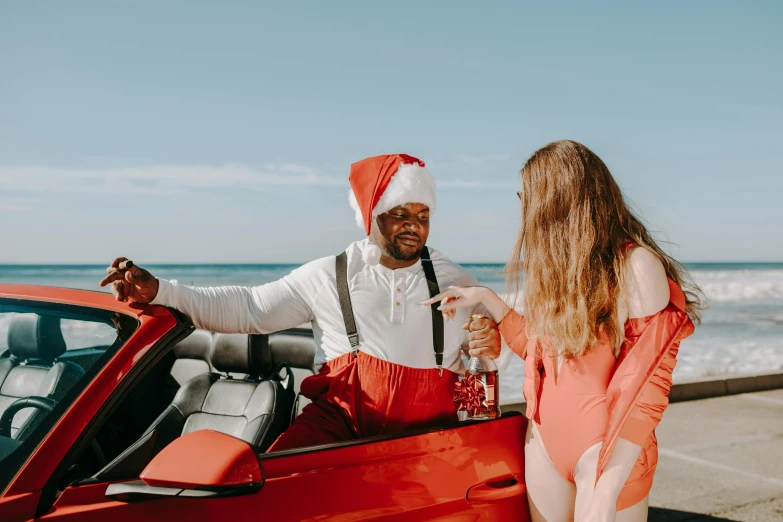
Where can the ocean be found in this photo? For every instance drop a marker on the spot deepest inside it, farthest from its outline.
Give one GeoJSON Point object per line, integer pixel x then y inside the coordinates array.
{"type": "Point", "coordinates": [741, 332]}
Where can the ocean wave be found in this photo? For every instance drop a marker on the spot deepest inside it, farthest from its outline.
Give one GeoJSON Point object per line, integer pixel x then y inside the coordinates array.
{"type": "Point", "coordinates": [699, 357]}
{"type": "Point", "coordinates": [707, 357]}
{"type": "Point", "coordinates": [720, 286]}
{"type": "Point", "coordinates": [740, 285]}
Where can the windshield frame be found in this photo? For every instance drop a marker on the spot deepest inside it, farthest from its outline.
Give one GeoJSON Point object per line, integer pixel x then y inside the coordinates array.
{"type": "Point", "coordinates": [126, 325]}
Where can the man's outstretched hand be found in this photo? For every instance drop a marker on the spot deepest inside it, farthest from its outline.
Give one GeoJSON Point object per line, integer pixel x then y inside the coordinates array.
{"type": "Point", "coordinates": [129, 283]}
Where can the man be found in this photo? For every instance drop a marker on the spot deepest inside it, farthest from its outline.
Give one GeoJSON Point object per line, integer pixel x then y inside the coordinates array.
{"type": "Point", "coordinates": [389, 363]}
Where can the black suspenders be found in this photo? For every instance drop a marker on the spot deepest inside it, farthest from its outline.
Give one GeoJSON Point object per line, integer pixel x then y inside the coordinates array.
{"type": "Point", "coordinates": [347, 309]}
{"type": "Point", "coordinates": [345, 300]}
{"type": "Point", "coordinates": [437, 316]}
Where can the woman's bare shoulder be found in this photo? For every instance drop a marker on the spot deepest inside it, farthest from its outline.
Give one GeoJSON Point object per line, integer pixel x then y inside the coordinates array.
{"type": "Point", "coordinates": [647, 284]}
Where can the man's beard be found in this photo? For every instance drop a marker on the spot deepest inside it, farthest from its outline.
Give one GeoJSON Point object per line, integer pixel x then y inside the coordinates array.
{"type": "Point", "coordinates": [397, 253]}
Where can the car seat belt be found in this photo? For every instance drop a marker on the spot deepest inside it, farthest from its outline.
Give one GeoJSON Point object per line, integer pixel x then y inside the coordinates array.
{"type": "Point", "coordinates": [343, 293]}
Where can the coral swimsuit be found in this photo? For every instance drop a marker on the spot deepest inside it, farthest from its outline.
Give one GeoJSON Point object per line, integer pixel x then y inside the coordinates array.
{"type": "Point", "coordinates": [572, 413]}
{"type": "Point", "coordinates": [597, 398]}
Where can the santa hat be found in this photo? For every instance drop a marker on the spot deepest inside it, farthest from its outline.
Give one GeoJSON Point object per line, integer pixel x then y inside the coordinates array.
{"type": "Point", "coordinates": [380, 183]}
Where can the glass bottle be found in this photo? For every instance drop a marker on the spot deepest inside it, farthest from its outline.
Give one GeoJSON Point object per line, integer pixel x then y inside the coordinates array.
{"type": "Point", "coordinates": [486, 373]}
{"type": "Point", "coordinates": [477, 394]}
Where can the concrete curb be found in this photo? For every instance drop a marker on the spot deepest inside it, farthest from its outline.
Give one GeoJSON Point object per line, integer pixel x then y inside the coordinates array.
{"type": "Point", "coordinates": [706, 389]}
{"type": "Point", "coordinates": [721, 386]}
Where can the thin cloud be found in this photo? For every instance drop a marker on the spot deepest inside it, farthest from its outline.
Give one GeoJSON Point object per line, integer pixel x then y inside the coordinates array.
{"type": "Point", "coordinates": [14, 207]}
{"type": "Point", "coordinates": [18, 204]}
{"type": "Point", "coordinates": [477, 184]}
{"type": "Point", "coordinates": [164, 177]}
{"type": "Point", "coordinates": [469, 171]}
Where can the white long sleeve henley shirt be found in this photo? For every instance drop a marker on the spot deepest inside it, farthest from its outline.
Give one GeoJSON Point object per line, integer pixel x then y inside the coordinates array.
{"type": "Point", "coordinates": [391, 322]}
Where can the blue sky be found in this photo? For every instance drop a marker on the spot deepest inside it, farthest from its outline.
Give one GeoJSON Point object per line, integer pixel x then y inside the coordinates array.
{"type": "Point", "coordinates": [223, 131]}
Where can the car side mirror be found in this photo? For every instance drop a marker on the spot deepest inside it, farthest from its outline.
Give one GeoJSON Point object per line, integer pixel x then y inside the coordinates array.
{"type": "Point", "coordinates": [203, 463]}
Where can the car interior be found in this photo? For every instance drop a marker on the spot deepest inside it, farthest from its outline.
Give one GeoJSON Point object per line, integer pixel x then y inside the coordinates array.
{"type": "Point", "coordinates": [244, 385]}
{"type": "Point", "coordinates": [239, 384]}
{"type": "Point", "coordinates": [48, 352]}
{"type": "Point", "coordinates": [32, 369]}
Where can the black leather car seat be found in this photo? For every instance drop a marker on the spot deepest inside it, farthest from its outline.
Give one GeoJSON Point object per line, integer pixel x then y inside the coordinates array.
{"type": "Point", "coordinates": [192, 356]}
{"type": "Point", "coordinates": [296, 348]}
{"type": "Point", "coordinates": [256, 409]}
{"type": "Point", "coordinates": [34, 343]}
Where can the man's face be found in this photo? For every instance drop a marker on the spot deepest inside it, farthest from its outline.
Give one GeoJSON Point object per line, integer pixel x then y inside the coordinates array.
{"type": "Point", "coordinates": [403, 231]}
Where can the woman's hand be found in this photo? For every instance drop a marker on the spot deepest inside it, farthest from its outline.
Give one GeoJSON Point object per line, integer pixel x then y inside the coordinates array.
{"type": "Point", "coordinates": [457, 297]}
{"type": "Point", "coordinates": [468, 297]}
{"type": "Point", "coordinates": [602, 508]}
{"type": "Point", "coordinates": [597, 501]}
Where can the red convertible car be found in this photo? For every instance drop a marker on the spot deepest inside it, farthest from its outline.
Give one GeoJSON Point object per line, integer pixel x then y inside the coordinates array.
{"type": "Point", "coordinates": [114, 412]}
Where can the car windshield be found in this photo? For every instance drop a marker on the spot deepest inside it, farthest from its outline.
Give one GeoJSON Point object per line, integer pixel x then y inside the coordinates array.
{"type": "Point", "coordinates": [48, 354]}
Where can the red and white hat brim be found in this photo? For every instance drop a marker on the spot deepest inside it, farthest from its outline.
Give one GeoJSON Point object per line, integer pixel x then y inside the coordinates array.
{"type": "Point", "coordinates": [411, 184]}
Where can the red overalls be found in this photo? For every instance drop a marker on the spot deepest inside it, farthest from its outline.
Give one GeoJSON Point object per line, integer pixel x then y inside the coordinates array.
{"type": "Point", "coordinates": [357, 395]}
{"type": "Point", "coordinates": [363, 396]}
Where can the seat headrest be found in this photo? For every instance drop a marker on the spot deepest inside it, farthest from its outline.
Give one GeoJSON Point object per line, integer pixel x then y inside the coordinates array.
{"type": "Point", "coordinates": [197, 345]}
{"type": "Point", "coordinates": [241, 353]}
{"type": "Point", "coordinates": [294, 347]}
{"type": "Point", "coordinates": [33, 336]}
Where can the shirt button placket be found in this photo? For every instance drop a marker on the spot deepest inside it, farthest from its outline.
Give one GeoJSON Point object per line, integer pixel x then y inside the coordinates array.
{"type": "Point", "coordinates": [397, 300]}
{"type": "Point", "coordinates": [400, 299]}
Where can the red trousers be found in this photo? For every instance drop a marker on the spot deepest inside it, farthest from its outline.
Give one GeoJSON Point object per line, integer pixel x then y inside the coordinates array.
{"type": "Point", "coordinates": [363, 396]}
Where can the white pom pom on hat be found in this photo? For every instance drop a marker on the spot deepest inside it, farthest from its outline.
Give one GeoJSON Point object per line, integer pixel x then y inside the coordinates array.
{"type": "Point", "coordinates": [371, 254]}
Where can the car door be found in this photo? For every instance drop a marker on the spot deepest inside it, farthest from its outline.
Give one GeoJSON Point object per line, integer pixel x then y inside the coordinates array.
{"type": "Point", "coordinates": [134, 337]}
{"type": "Point", "coordinates": [471, 472]}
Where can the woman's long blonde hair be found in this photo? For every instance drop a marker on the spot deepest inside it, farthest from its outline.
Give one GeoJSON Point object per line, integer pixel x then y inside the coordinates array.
{"type": "Point", "coordinates": [571, 249]}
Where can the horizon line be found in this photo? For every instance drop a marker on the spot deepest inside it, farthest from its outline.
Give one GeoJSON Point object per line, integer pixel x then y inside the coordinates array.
{"type": "Point", "coordinates": [293, 263]}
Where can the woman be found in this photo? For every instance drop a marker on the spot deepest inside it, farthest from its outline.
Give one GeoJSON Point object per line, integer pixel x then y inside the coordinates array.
{"type": "Point", "coordinates": [605, 312]}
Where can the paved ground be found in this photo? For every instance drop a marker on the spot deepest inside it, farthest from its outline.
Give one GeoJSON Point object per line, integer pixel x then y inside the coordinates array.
{"type": "Point", "coordinates": [721, 459]}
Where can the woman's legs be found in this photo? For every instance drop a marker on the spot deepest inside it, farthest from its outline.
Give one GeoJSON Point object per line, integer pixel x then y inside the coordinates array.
{"type": "Point", "coordinates": [551, 497]}
{"type": "Point", "coordinates": [584, 476]}
{"type": "Point", "coordinates": [635, 513]}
